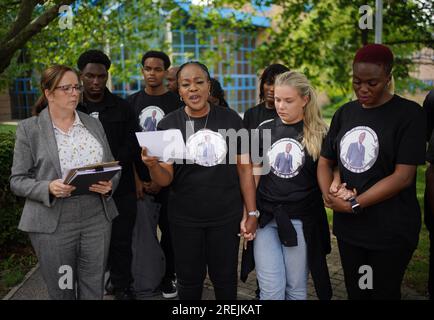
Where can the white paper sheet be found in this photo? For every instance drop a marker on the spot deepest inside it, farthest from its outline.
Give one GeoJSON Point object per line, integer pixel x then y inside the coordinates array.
{"type": "Point", "coordinates": [166, 144]}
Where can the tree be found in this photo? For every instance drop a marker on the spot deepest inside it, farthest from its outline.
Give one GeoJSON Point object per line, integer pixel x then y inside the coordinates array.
{"type": "Point", "coordinates": [320, 37]}
{"type": "Point", "coordinates": [24, 22]}
{"type": "Point", "coordinates": [125, 30]}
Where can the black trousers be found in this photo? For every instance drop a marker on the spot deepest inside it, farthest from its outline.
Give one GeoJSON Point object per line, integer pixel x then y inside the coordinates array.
{"type": "Point", "coordinates": [166, 239]}
{"type": "Point", "coordinates": [429, 222]}
{"type": "Point", "coordinates": [388, 268]}
{"type": "Point", "coordinates": [199, 248]}
{"type": "Point", "coordinates": [120, 254]}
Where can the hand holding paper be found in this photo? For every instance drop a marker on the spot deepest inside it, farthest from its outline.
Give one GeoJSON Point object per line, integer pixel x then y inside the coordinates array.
{"type": "Point", "coordinates": [149, 161]}
{"type": "Point", "coordinates": [165, 145]}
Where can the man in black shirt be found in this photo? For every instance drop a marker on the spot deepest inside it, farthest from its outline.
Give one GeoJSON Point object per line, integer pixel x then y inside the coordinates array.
{"type": "Point", "coordinates": [119, 122]}
{"type": "Point", "coordinates": [156, 99]}
{"type": "Point", "coordinates": [428, 106]}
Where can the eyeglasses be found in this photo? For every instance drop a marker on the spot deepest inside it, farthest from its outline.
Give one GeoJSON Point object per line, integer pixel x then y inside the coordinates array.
{"type": "Point", "coordinates": [69, 88]}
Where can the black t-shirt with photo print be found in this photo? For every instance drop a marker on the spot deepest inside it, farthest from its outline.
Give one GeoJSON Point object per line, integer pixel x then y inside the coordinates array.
{"type": "Point", "coordinates": [255, 116]}
{"type": "Point", "coordinates": [367, 143]}
{"type": "Point", "coordinates": [292, 176]}
{"type": "Point", "coordinates": [143, 105]}
{"type": "Point", "coordinates": [206, 195]}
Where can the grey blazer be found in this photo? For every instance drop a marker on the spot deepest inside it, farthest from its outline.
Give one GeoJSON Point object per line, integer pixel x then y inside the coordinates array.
{"type": "Point", "coordinates": [36, 163]}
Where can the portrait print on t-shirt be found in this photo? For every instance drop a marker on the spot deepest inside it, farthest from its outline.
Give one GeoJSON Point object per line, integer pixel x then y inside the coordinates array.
{"type": "Point", "coordinates": [359, 149]}
{"type": "Point", "coordinates": [206, 147]}
{"type": "Point", "coordinates": [149, 118]}
{"type": "Point", "coordinates": [286, 158]}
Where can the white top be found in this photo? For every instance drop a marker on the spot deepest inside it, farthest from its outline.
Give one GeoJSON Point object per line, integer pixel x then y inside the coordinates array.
{"type": "Point", "coordinates": [77, 147]}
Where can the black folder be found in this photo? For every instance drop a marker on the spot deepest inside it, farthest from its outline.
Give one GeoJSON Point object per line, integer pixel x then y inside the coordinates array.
{"type": "Point", "coordinates": [82, 178]}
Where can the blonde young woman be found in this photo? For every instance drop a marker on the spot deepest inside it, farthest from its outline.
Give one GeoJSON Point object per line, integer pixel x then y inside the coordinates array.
{"type": "Point", "coordinates": [293, 237]}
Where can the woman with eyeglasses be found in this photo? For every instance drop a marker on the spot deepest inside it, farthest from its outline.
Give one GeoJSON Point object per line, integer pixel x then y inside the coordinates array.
{"type": "Point", "coordinates": [70, 233]}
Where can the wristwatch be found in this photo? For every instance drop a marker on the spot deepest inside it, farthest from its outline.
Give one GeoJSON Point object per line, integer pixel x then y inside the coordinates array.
{"type": "Point", "coordinates": [355, 206]}
{"type": "Point", "coordinates": [254, 213]}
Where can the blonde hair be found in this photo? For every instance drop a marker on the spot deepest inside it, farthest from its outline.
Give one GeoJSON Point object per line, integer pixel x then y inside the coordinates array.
{"type": "Point", "coordinates": [314, 129]}
{"type": "Point", "coordinates": [391, 85]}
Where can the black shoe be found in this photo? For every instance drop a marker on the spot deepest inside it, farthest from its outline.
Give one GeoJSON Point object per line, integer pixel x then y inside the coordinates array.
{"type": "Point", "coordinates": [124, 294]}
{"type": "Point", "coordinates": [168, 288]}
{"type": "Point", "coordinates": [257, 294]}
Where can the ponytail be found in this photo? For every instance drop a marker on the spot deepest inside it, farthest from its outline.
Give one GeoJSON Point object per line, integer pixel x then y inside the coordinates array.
{"type": "Point", "coordinates": [40, 105]}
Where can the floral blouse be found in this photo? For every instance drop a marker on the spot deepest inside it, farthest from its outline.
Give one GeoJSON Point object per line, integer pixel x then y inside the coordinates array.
{"type": "Point", "coordinates": [77, 147]}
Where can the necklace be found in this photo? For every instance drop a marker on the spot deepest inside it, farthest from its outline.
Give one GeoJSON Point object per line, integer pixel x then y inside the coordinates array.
{"type": "Point", "coordinates": [191, 121]}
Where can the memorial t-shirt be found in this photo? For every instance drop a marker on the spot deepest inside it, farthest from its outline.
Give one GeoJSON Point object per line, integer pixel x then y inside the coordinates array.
{"type": "Point", "coordinates": [149, 110]}
{"type": "Point", "coordinates": [367, 143]}
{"type": "Point", "coordinates": [206, 192]}
{"type": "Point", "coordinates": [292, 176]}
{"type": "Point", "coordinates": [256, 116]}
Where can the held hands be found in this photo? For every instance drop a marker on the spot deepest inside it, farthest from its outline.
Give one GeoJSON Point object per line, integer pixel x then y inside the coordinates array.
{"type": "Point", "coordinates": [248, 227]}
{"type": "Point", "coordinates": [337, 198]}
{"type": "Point", "coordinates": [341, 191]}
{"type": "Point", "coordinates": [102, 187]}
{"type": "Point", "coordinates": [59, 189]}
{"type": "Point", "coordinates": [337, 204]}
{"type": "Point", "coordinates": [149, 161]}
{"type": "Point", "coordinates": [151, 187]}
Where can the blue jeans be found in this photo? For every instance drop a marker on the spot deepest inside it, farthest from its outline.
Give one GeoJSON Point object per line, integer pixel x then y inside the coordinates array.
{"type": "Point", "coordinates": [282, 271]}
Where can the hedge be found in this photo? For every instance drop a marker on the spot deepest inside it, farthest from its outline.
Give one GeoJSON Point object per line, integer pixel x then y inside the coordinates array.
{"type": "Point", "coordinates": [10, 205]}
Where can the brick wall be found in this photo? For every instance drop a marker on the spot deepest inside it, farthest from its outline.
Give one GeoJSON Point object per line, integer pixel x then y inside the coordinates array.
{"type": "Point", "coordinates": [5, 106]}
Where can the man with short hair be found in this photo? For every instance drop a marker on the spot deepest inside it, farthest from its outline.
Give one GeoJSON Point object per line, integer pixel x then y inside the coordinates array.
{"type": "Point", "coordinates": [155, 95]}
{"type": "Point", "coordinates": [151, 122]}
{"type": "Point", "coordinates": [283, 163]}
{"type": "Point", "coordinates": [119, 122]}
{"type": "Point", "coordinates": [356, 152]}
{"type": "Point", "coordinates": [428, 106]}
{"type": "Point", "coordinates": [172, 82]}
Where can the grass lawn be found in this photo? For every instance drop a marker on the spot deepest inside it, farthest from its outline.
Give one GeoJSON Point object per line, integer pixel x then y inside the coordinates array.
{"type": "Point", "coordinates": [15, 262]}
{"type": "Point", "coordinates": [7, 127]}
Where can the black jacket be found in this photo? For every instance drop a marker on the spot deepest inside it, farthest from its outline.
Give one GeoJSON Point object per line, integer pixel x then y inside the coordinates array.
{"type": "Point", "coordinates": [119, 123]}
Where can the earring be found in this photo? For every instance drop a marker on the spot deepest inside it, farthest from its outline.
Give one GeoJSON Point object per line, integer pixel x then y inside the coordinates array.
{"type": "Point", "coordinates": [180, 98]}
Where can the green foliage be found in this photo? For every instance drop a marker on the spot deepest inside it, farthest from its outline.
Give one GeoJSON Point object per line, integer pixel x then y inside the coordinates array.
{"type": "Point", "coordinates": [317, 37]}
{"type": "Point", "coordinates": [109, 26]}
{"type": "Point", "coordinates": [14, 266]}
{"type": "Point", "coordinates": [321, 40]}
{"type": "Point", "coordinates": [10, 205]}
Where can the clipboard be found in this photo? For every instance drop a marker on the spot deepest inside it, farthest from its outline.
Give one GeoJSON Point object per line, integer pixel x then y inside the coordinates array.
{"type": "Point", "coordinates": [83, 177]}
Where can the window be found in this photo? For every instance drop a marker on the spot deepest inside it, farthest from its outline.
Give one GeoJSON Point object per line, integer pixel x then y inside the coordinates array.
{"type": "Point", "coordinates": [23, 97]}
{"type": "Point", "coordinates": [234, 71]}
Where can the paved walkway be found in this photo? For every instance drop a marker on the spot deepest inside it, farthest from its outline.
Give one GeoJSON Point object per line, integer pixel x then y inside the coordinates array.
{"type": "Point", "coordinates": [33, 287]}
